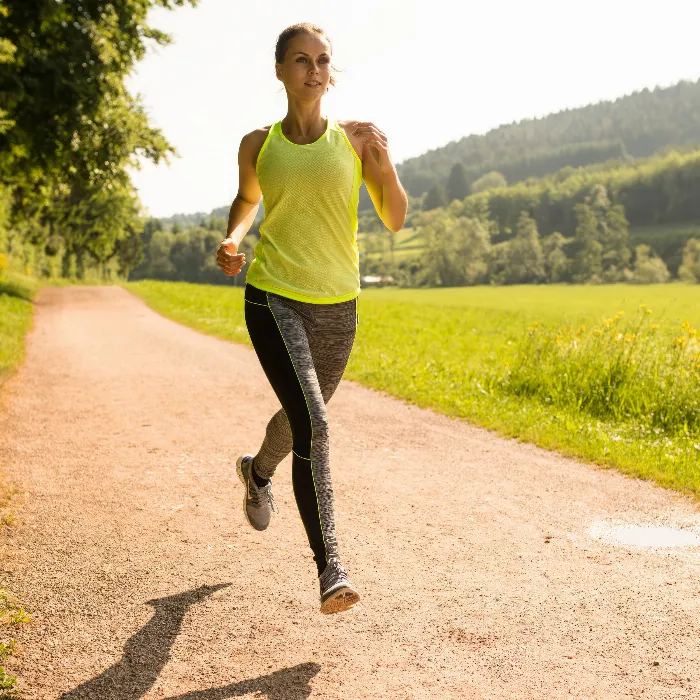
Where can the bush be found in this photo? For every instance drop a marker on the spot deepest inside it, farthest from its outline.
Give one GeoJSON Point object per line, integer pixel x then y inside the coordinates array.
{"type": "Point", "coordinates": [613, 371]}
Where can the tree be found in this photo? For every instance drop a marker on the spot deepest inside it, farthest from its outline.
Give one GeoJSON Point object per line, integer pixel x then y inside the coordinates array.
{"type": "Point", "coordinates": [473, 245]}
{"type": "Point", "coordinates": [616, 253]}
{"type": "Point", "coordinates": [611, 232]}
{"type": "Point", "coordinates": [160, 265]}
{"type": "Point", "coordinates": [64, 85]}
{"type": "Point", "coordinates": [497, 262]}
{"type": "Point", "coordinates": [489, 181]}
{"type": "Point", "coordinates": [587, 265]}
{"type": "Point", "coordinates": [556, 264]}
{"type": "Point", "coordinates": [525, 256]}
{"type": "Point", "coordinates": [456, 250]}
{"type": "Point", "coordinates": [689, 271]}
{"type": "Point", "coordinates": [70, 129]}
{"type": "Point", "coordinates": [435, 197]}
{"type": "Point", "coordinates": [649, 269]}
{"type": "Point", "coordinates": [457, 187]}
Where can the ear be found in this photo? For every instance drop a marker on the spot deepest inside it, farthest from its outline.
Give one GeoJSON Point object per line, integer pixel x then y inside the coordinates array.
{"type": "Point", "coordinates": [278, 71]}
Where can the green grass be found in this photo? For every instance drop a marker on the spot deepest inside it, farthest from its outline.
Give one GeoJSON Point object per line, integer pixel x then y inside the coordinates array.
{"type": "Point", "coordinates": [453, 350]}
{"type": "Point", "coordinates": [16, 293]}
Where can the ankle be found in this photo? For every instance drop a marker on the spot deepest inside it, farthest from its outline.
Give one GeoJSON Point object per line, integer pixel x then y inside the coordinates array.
{"type": "Point", "coordinates": [259, 481]}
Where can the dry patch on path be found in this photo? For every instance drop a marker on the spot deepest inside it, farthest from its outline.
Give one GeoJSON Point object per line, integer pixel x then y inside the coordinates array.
{"type": "Point", "coordinates": [488, 568]}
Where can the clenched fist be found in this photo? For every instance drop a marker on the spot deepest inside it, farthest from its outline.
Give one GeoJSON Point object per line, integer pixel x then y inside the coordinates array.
{"type": "Point", "coordinates": [228, 258]}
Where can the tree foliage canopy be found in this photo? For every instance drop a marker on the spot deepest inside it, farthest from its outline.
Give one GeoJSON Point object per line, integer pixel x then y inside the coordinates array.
{"type": "Point", "coordinates": [69, 127]}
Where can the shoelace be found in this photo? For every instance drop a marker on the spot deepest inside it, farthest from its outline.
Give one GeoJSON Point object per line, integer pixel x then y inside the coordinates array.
{"type": "Point", "coordinates": [262, 495]}
{"type": "Point", "coordinates": [333, 574]}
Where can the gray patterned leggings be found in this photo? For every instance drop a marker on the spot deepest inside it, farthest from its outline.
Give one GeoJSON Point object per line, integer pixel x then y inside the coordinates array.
{"type": "Point", "coordinates": [303, 349]}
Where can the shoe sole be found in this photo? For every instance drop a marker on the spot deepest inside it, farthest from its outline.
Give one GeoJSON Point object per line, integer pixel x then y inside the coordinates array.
{"type": "Point", "coordinates": [342, 599]}
{"type": "Point", "coordinates": [239, 471]}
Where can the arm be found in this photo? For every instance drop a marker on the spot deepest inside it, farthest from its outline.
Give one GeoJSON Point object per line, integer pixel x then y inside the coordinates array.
{"type": "Point", "coordinates": [245, 205]}
{"type": "Point", "coordinates": [380, 176]}
{"type": "Point", "coordinates": [240, 219]}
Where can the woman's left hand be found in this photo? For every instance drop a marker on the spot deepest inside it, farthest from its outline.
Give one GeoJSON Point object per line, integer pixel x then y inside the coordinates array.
{"type": "Point", "coordinates": [376, 142]}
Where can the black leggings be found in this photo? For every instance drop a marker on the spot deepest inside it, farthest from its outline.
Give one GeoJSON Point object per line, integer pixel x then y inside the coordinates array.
{"type": "Point", "coordinates": [303, 349]}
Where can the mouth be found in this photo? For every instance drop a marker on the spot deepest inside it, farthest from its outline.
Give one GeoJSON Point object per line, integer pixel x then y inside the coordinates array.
{"type": "Point", "coordinates": [313, 84]}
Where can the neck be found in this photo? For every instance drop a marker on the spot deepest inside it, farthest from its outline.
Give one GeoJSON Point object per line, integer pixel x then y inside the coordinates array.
{"type": "Point", "coordinates": [304, 120]}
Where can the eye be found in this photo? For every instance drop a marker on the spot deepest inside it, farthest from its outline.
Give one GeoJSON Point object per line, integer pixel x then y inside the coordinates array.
{"type": "Point", "coordinates": [301, 58]}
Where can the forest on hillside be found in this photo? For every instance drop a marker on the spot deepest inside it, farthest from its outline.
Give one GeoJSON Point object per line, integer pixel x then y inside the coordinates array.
{"type": "Point", "coordinates": [633, 126]}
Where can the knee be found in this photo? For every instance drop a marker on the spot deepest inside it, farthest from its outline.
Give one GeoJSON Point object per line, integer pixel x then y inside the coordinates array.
{"type": "Point", "coordinates": [313, 428]}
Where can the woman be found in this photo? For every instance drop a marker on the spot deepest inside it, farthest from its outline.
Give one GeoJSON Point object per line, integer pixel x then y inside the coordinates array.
{"type": "Point", "coordinates": [302, 287]}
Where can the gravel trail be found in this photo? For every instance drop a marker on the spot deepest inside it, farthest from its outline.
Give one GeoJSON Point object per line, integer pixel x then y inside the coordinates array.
{"type": "Point", "coordinates": [480, 560]}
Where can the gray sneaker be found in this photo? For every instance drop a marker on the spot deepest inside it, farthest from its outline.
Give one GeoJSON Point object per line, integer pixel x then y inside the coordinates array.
{"type": "Point", "coordinates": [258, 502]}
{"type": "Point", "coordinates": [337, 593]}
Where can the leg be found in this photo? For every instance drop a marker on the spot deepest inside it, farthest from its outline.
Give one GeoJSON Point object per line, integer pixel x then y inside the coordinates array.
{"type": "Point", "coordinates": [280, 339]}
{"type": "Point", "coordinates": [330, 344]}
{"type": "Point", "coordinates": [276, 445]}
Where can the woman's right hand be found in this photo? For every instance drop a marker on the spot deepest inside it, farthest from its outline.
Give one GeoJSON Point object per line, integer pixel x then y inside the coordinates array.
{"type": "Point", "coordinates": [228, 258]}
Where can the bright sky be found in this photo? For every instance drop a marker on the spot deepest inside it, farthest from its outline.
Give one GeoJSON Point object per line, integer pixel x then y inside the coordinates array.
{"type": "Point", "coordinates": [427, 72]}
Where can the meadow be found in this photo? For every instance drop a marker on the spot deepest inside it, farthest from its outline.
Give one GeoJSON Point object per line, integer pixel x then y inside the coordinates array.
{"type": "Point", "coordinates": [596, 372]}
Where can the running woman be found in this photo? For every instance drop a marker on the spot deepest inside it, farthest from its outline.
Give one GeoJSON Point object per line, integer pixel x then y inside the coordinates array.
{"type": "Point", "coordinates": [302, 286]}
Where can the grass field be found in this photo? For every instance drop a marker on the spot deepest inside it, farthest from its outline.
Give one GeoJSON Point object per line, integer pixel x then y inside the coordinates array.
{"type": "Point", "coordinates": [16, 293]}
{"type": "Point", "coordinates": [477, 353]}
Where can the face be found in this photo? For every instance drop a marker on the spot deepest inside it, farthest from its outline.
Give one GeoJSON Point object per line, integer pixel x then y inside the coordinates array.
{"type": "Point", "coordinates": [306, 71]}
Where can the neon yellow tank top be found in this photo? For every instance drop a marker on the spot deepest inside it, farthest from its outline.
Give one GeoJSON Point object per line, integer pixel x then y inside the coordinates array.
{"type": "Point", "coordinates": [308, 245]}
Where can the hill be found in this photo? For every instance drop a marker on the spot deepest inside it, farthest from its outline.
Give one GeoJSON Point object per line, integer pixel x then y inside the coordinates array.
{"type": "Point", "coordinates": [633, 126]}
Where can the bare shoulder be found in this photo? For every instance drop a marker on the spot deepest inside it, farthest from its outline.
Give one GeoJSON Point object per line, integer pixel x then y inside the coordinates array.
{"type": "Point", "coordinates": [252, 142]}
{"type": "Point", "coordinates": [348, 125]}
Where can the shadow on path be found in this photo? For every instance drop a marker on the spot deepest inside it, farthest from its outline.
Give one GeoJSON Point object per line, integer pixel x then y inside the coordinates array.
{"type": "Point", "coordinates": [287, 684]}
{"type": "Point", "coordinates": [145, 653]}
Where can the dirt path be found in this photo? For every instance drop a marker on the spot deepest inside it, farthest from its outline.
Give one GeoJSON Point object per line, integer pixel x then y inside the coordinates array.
{"type": "Point", "coordinates": [473, 554]}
